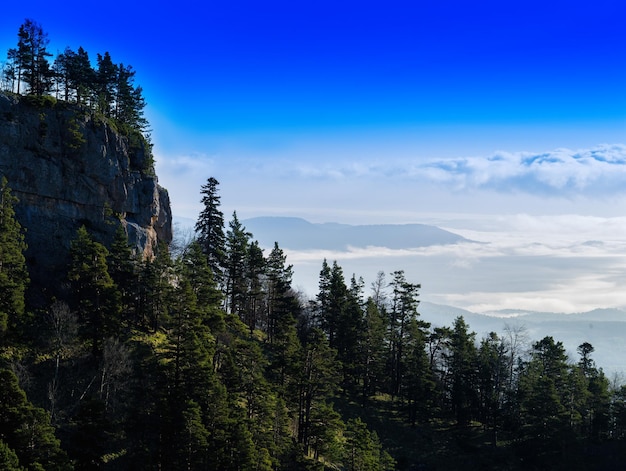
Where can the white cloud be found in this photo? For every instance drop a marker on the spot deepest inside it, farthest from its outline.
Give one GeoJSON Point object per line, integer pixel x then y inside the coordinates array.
{"type": "Point", "coordinates": [560, 172]}
{"type": "Point", "coordinates": [380, 187]}
{"type": "Point", "coordinates": [601, 170]}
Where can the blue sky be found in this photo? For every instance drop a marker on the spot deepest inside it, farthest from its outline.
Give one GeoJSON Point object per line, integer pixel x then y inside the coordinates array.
{"type": "Point", "coordinates": [451, 77]}
{"type": "Point", "coordinates": [471, 115]}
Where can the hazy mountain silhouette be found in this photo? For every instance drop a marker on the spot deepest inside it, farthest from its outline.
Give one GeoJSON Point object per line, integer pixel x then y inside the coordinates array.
{"type": "Point", "coordinates": [299, 234]}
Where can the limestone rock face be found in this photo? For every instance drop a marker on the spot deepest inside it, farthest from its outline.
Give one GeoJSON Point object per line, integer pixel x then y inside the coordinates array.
{"type": "Point", "coordinates": [69, 167]}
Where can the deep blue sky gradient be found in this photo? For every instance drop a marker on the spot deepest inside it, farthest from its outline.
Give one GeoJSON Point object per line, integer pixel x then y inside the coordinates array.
{"type": "Point", "coordinates": [325, 81]}
{"type": "Point", "coordinates": [295, 65]}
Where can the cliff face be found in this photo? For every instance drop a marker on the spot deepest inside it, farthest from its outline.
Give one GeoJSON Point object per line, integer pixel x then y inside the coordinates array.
{"type": "Point", "coordinates": [70, 168]}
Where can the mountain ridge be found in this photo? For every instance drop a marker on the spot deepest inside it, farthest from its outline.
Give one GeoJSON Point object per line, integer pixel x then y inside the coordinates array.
{"type": "Point", "coordinates": [299, 234]}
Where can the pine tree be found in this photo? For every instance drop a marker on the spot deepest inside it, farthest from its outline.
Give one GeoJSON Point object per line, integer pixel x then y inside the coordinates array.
{"type": "Point", "coordinates": [13, 271]}
{"type": "Point", "coordinates": [403, 310]}
{"type": "Point", "coordinates": [155, 285]}
{"type": "Point", "coordinates": [12, 71]}
{"type": "Point", "coordinates": [281, 305]}
{"type": "Point", "coordinates": [372, 349]}
{"type": "Point", "coordinates": [208, 296]}
{"type": "Point", "coordinates": [492, 381]}
{"type": "Point", "coordinates": [331, 300]}
{"type": "Point", "coordinates": [32, 58]}
{"type": "Point", "coordinates": [105, 83]}
{"type": "Point", "coordinates": [544, 396]}
{"type": "Point", "coordinates": [8, 459]}
{"type": "Point", "coordinates": [95, 295]}
{"type": "Point", "coordinates": [123, 270]}
{"type": "Point", "coordinates": [129, 100]}
{"type": "Point", "coordinates": [595, 414]}
{"type": "Point", "coordinates": [363, 451]}
{"type": "Point", "coordinates": [82, 75]}
{"type": "Point", "coordinates": [210, 229]}
{"type": "Point", "coordinates": [236, 250]}
{"type": "Point", "coordinates": [350, 333]}
{"type": "Point", "coordinates": [26, 429]}
{"type": "Point", "coordinates": [317, 381]}
{"type": "Point", "coordinates": [463, 369]}
{"type": "Point", "coordinates": [254, 304]}
{"type": "Point", "coordinates": [417, 386]}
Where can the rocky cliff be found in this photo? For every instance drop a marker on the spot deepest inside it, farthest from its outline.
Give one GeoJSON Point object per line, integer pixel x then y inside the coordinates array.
{"type": "Point", "coordinates": [69, 167]}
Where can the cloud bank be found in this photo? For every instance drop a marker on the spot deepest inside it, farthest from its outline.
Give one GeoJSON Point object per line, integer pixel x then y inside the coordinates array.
{"type": "Point", "coordinates": [558, 264]}
{"type": "Point", "coordinates": [562, 172]}
{"type": "Point", "coordinates": [348, 184]}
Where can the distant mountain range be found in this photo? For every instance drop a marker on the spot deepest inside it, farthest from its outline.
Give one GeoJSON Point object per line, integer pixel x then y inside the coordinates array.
{"type": "Point", "coordinates": [605, 329]}
{"type": "Point", "coordinates": [299, 234]}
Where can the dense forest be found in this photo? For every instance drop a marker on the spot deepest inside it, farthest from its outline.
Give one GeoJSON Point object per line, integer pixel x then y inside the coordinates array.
{"type": "Point", "coordinates": [205, 357]}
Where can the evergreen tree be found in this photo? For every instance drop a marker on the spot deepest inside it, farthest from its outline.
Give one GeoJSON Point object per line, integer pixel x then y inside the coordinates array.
{"type": "Point", "coordinates": [12, 72]}
{"type": "Point", "coordinates": [282, 309]}
{"type": "Point", "coordinates": [236, 245]}
{"type": "Point", "coordinates": [417, 386]}
{"type": "Point", "coordinates": [332, 299]}
{"type": "Point", "coordinates": [106, 81]}
{"type": "Point", "coordinates": [82, 75]}
{"type": "Point", "coordinates": [155, 285]}
{"type": "Point", "coordinates": [372, 350]}
{"type": "Point", "coordinates": [254, 304]}
{"type": "Point", "coordinates": [281, 306]}
{"type": "Point", "coordinates": [403, 310]}
{"type": "Point", "coordinates": [210, 228]}
{"type": "Point", "coordinates": [208, 296]}
{"type": "Point", "coordinates": [8, 459]}
{"type": "Point", "coordinates": [13, 271]}
{"type": "Point", "coordinates": [363, 451]}
{"type": "Point", "coordinates": [492, 374]}
{"type": "Point", "coordinates": [129, 100]}
{"type": "Point", "coordinates": [463, 369]}
{"type": "Point", "coordinates": [123, 271]}
{"type": "Point", "coordinates": [595, 410]}
{"type": "Point", "coordinates": [95, 296]}
{"type": "Point", "coordinates": [33, 58]}
{"type": "Point", "coordinates": [317, 381]}
{"type": "Point", "coordinates": [26, 430]}
{"type": "Point", "coordinates": [187, 426]}
{"type": "Point", "coordinates": [322, 304]}
{"type": "Point", "coordinates": [544, 391]}
{"type": "Point", "coordinates": [350, 334]}
{"type": "Point", "coordinates": [325, 433]}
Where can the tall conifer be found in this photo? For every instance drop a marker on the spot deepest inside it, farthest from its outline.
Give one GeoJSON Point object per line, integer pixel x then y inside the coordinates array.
{"type": "Point", "coordinates": [210, 228]}
{"type": "Point", "coordinates": [13, 272]}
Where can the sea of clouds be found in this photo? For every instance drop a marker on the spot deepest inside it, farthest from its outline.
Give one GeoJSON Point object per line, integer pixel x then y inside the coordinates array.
{"type": "Point", "coordinates": [546, 231]}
